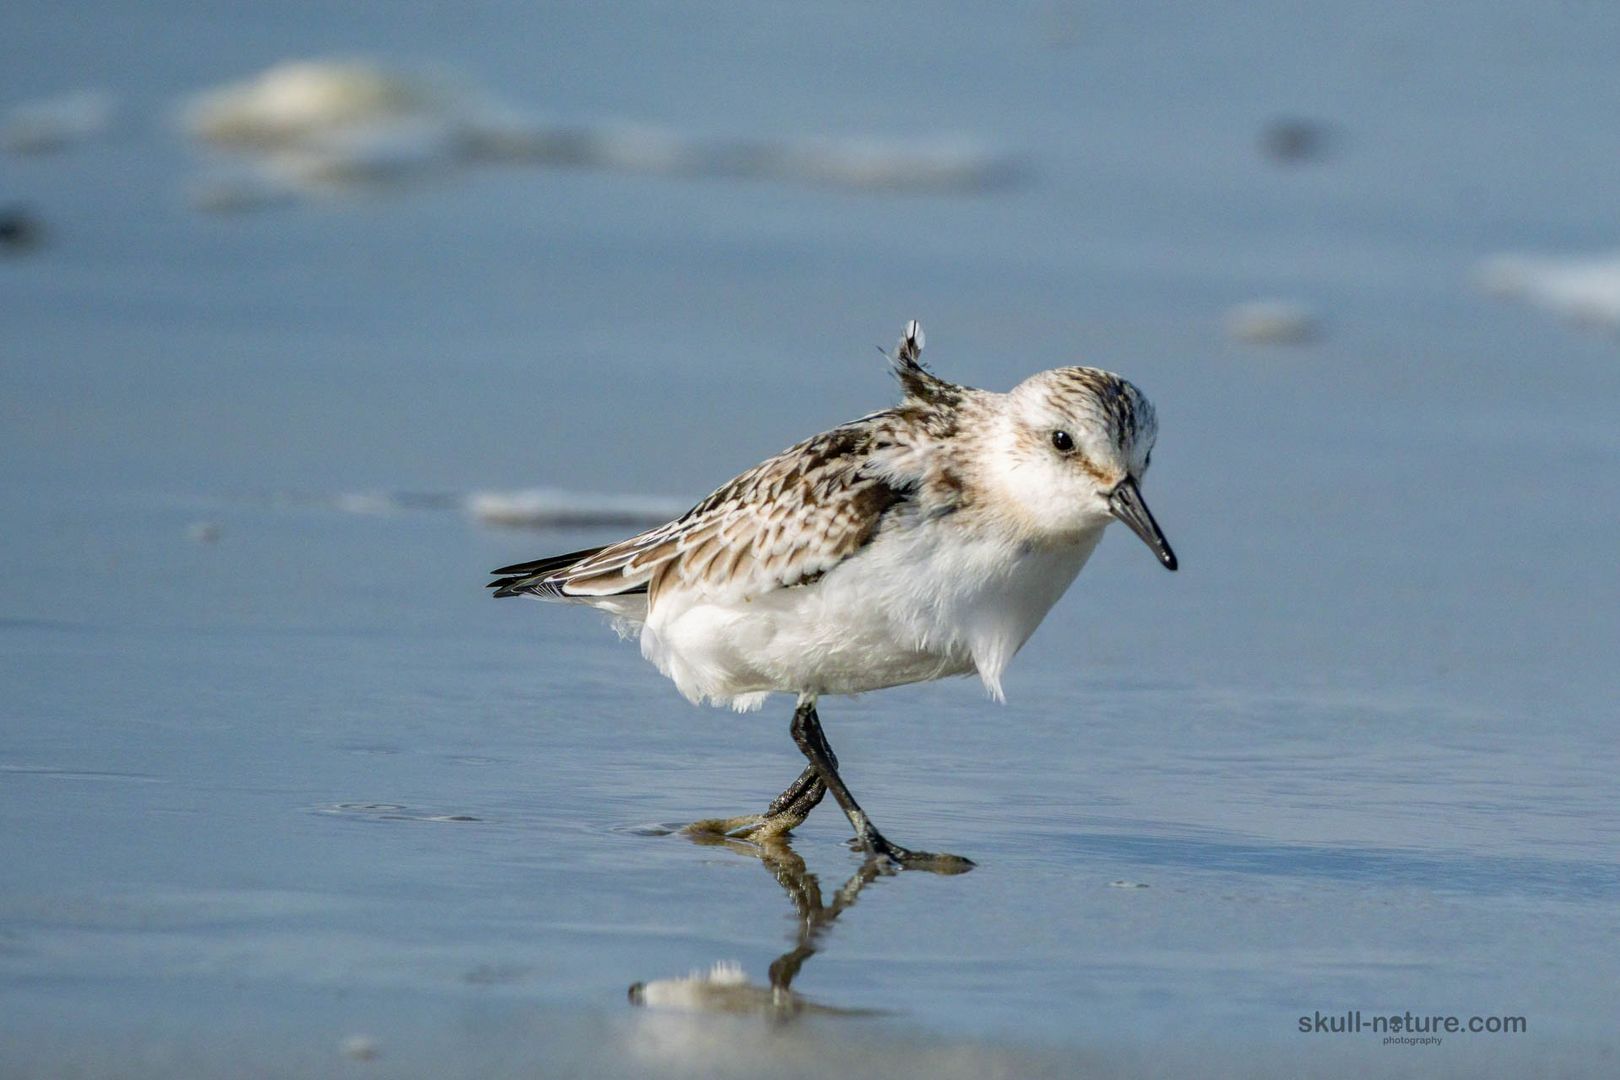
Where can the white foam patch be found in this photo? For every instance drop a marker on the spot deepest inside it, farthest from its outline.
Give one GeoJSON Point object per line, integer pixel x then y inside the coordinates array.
{"type": "Point", "coordinates": [535, 508]}
{"type": "Point", "coordinates": [315, 127]}
{"type": "Point", "coordinates": [1583, 289]}
{"type": "Point", "coordinates": [294, 103]}
{"type": "Point", "coordinates": [1272, 322]}
{"type": "Point", "coordinates": [551, 508]}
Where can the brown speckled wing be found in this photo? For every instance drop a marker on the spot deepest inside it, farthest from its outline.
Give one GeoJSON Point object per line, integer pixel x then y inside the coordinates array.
{"type": "Point", "coordinates": [785, 522]}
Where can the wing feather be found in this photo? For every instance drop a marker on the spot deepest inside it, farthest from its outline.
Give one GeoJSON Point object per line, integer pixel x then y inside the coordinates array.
{"type": "Point", "coordinates": [790, 519]}
{"type": "Point", "coordinates": [785, 522]}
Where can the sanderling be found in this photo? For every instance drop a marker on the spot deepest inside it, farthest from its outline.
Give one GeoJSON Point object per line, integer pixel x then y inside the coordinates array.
{"type": "Point", "coordinates": [922, 541]}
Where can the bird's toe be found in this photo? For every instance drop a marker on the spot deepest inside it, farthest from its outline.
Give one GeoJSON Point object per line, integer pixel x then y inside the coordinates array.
{"type": "Point", "coordinates": [897, 857]}
{"type": "Point", "coordinates": [735, 827]}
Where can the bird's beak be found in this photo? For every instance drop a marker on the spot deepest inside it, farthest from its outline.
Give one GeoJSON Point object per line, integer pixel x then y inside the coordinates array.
{"type": "Point", "coordinates": [1126, 504]}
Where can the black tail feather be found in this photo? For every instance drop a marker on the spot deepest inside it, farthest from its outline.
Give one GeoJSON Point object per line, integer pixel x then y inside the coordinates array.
{"type": "Point", "coordinates": [549, 563]}
{"type": "Point", "coordinates": [521, 578]}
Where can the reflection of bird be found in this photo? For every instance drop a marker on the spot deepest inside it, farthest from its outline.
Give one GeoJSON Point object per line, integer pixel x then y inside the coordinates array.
{"type": "Point", "coordinates": [724, 987]}
{"type": "Point", "coordinates": [926, 540]}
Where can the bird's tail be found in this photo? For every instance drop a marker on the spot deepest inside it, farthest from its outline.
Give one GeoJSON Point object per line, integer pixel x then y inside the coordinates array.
{"type": "Point", "coordinates": [530, 578]}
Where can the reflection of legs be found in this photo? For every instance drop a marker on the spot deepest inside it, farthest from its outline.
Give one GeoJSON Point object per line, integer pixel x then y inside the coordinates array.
{"type": "Point", "coordinates": [813, 744]}
{"type": "Point", "coordinates": [786, 812]}
{"type": "Point", "coordinates": [815, 916]}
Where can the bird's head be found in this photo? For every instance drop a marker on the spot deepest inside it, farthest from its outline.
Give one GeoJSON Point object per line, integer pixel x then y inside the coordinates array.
{"type": "Point", "coordinates": [1074, 444]}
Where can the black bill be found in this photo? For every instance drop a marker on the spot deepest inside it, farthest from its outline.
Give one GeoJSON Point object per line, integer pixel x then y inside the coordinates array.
{"type": "Point", "coordinates": [1127, 505]}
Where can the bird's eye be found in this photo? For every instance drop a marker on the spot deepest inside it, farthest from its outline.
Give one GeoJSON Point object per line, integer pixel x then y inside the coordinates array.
{"type": "Point", "coordinates": [1063, 441]}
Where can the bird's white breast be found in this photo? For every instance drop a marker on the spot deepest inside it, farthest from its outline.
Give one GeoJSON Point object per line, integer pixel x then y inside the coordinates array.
{"type": "Point", "coordinates": [917, 604]}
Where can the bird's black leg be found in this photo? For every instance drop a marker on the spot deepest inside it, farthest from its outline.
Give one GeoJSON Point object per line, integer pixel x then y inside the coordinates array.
{"type": "Point", "coordinates": [808, 784]}
{"type": "Point", "coordinates": [813, 744]}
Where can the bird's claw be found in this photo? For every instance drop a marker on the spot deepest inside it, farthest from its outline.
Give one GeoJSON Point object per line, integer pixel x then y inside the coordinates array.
{"type": "Point", "coordinates": [896, 857]}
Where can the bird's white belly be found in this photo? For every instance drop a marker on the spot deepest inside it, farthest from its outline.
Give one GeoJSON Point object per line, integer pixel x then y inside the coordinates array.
{"type": "Point", "coordinates": [920, 605]}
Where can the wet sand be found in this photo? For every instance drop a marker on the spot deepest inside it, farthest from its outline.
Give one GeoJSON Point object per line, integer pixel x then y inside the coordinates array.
{"type": "Point", "coordinates": [284, 793]}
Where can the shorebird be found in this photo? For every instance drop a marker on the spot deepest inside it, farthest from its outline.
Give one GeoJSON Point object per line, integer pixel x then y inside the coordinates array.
{"type": "Point", "coordinates": [923, 541]}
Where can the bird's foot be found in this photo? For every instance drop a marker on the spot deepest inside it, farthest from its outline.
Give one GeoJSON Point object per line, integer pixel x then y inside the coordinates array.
{"type": "Point", "coordinates": [746, 827]}
{"type": "Point", "coordinates": [874, 844]}
{"type": "Point", "coordinates": [722, 826]}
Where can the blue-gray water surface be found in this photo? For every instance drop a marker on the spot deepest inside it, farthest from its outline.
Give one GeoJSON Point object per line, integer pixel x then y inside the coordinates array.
{"type": "Point", "coordinates": [275, 775]}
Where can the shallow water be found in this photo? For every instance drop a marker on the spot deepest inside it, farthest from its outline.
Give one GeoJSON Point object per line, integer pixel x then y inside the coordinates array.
{"type": "Point", "coordinates": [305, 781]}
